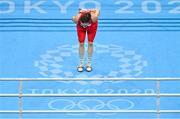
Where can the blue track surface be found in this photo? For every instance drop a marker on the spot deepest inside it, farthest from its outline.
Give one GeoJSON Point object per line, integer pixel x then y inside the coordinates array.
{"type": "Point", "coordinates": [135, 44]}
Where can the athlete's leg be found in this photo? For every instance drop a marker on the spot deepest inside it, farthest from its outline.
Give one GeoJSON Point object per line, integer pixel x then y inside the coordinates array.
{"type": "Point", "coordinates": [81, 53]}
{"type": "Point", "coordinates": [91, 36]}
{"type": "Point", "coordinates": [81, 36]}
{"type": "Point", "coordinates": [90, 52]}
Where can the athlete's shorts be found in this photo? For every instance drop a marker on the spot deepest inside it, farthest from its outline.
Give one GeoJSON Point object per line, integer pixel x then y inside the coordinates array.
{"type": "Point", "coordinates": [90, 30]}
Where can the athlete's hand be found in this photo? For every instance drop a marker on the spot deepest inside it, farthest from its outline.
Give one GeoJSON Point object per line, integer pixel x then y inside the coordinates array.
{"type": "Point", "coordinates": [96, 12]}
{"type": "Point", "coordinates": [93, 10]}
{"type": "Point", "coordinates": [73, 18]}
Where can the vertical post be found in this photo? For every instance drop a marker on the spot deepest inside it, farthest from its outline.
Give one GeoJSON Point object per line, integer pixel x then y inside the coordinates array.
{"type": "Point", "coordinates": [158, 100]}
{"type": "Point", "coordinates": [20, 99]}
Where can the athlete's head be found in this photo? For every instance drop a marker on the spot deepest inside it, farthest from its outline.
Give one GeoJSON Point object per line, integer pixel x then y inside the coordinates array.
{"type": "Point", "coordinates": [85, 18]}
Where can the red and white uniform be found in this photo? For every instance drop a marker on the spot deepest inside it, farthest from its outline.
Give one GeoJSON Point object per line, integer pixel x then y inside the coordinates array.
{"type": "Point", "coordinates": [91, 30]}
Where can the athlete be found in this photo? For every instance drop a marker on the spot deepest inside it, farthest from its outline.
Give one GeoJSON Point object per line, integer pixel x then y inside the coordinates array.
{"type": "Point", "coordinates": [86, 23]}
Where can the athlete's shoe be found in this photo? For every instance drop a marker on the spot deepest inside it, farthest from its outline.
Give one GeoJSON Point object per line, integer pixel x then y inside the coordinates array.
{"type": "Point", "coordinates": [88, 68]}
{"type": "Point", "coordinates": [80, 68]}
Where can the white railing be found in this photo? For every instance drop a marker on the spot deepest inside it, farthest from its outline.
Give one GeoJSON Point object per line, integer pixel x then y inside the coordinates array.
{"type": "Point", "coordinates": [158, 95]}
{"type": "Point", "coordinates": [91, 111]}
{"type": "Point", "coordinates": [91, 95]}
{"type": "Point", "coordinates": [90, 79]}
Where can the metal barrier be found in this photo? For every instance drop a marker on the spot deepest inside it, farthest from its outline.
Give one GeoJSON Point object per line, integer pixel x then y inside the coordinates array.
{"type": "Point", "coordinates": [158, 95]}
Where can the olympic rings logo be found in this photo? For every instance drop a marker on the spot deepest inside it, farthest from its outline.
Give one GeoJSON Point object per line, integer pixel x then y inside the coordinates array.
{"type": "Point", "coordinates": [91, 104]}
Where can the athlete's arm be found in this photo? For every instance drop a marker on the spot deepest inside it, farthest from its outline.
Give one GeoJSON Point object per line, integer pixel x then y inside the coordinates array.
{"type": "Point", "coordinates": [76, 18]}
{"type": "Point", "coordinates": [94, 14]}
